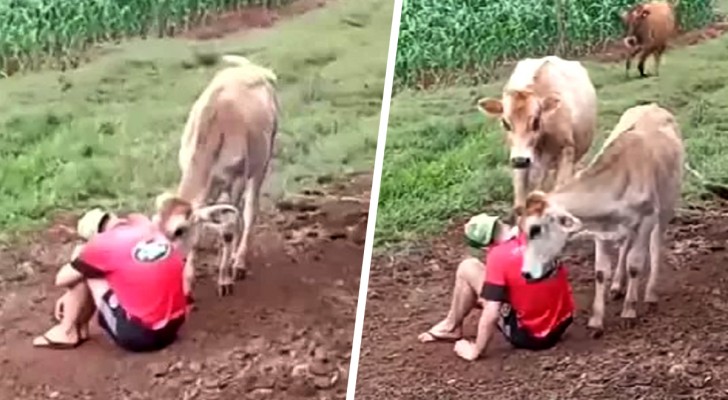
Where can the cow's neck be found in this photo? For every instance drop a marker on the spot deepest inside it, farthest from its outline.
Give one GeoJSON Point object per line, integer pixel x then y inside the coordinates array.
{"type": "Point", "coordinates": [594, 197]}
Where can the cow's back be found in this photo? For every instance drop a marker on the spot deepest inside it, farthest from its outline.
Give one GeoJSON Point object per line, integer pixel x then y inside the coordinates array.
{"type": "Point", "coordinates": [245, 110]}
{"type": "Point", "coordinates": [660, 21]}
{"type": "Point", "coordinates": [646, 144]}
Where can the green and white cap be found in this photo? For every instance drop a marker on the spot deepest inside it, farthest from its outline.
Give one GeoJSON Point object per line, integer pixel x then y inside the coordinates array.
{"type": "Point", "coordinates": [90, 222]}
{"type": "Point", "coordinates": [480, 230]}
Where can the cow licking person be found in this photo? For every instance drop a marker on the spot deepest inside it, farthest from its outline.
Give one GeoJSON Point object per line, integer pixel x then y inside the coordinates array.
{"type": "Point", "coordinates": [531, 314]}
{"type": "Point", "coordinates": [627, 194]}
{"type": "Point", "coordinates": [225, 152]}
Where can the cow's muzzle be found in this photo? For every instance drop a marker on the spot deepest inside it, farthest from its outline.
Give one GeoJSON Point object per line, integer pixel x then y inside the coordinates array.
{"type": "Point", "coordinates": [520, 162]}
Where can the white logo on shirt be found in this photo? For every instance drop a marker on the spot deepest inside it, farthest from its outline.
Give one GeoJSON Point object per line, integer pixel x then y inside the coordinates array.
{"type": "Point", "coordinates": [151, 250]}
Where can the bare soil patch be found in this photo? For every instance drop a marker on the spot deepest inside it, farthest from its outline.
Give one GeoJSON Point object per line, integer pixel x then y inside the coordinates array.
{"type": "Point", "coordinates": [678, 353]}
{"type": "Point", "coordinates": [250, 18]}
{"type": "Point", "coordinates": [615, 51]}
{"type": "Point", "coordinates": [286, 332]}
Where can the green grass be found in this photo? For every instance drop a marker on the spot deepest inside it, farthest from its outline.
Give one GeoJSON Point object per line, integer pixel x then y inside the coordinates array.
{"type": "Point", "coordinates": [444, 159]}
{"type": "Point", "coordinates": [36, 32]}
{"type": "Point", "coordinates": [439, 38]}
{"type": "Point", "coordinates": [108, 133]}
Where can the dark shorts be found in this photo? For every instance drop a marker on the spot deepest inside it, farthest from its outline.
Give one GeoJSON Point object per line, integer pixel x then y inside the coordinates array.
{"type": "Point", "coordinates": [129, 333]}
{"type": "Point", "coordinates": [522, 339]}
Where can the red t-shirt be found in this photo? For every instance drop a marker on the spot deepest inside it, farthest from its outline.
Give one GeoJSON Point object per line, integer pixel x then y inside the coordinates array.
{"type": "Point", "coordinates": [539, 306]}
{"type": "Point", "coordinates": [143, 269]}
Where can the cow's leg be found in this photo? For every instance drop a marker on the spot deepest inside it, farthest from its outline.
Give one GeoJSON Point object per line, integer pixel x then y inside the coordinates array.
{"type": "Point", "coordinates": [520, 186]}
{"type": "Point", "coordinates": [188, 273]}
{"type": "Point", "coordinates": [656, 238]}
{"type": "Point", "coordinates": [225, 276]}
{"type": "Point", "coordinates": [616, 291]}
{"type": "Point", "coordinates": [628, 63]}
{"type": "Point", "coordinates": [658, 57]}
{"type": "Point", "coordinates": [641, 64]}
{"type": "Point", "coordinates": [636, 258]}
{"type": "Point", "coordinates": [565, 167]}
{"type": "Point", "coordinates": [602, 271]}
{"type": "Point", "coordinates": [251, 199]}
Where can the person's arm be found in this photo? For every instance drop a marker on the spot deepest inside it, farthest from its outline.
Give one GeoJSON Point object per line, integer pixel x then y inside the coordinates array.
{"type": "Point", "coordinates": [492, 295]}
{"type": "Point", "coordinates": [487, 325]}
{"type": "Point", "coordinates": [68, 276]}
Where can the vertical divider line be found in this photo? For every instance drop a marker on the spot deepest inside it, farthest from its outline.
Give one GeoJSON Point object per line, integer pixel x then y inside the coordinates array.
{"type": "Point", "coordinates": [374, 199]}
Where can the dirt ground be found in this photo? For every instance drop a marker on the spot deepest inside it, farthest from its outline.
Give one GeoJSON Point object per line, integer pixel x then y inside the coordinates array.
{"type": "Point", "coordinates": [286, 332]}
{"type": "Point", "coordinates": [678, 353]}
{"type": "Point", "coordinates": [250, 18]}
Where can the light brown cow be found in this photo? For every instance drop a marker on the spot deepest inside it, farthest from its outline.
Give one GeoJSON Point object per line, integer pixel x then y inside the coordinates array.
{"type": "Point", "coordinates": [549, 110]}
{"type": "Point", "coordinates": [224, 156]}
{"type": "Point", "coordinates": [628, 194]}
{"type": "Point", "coordinates": [650, 26]}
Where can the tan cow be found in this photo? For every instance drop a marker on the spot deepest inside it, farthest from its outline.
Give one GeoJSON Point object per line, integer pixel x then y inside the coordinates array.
{"type": "Point", "coordinates": [224, 156]}
{"type": "Point", "coordinates": [549, 111]}
{"type": "Point", "coordinates": [649, 28]}
{"type": "Point", "coordinates": [628, 193]}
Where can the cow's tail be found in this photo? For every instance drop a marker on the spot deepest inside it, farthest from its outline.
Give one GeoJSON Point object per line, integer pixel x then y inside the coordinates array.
{"type": "Point", "coordinates": [714, 188]}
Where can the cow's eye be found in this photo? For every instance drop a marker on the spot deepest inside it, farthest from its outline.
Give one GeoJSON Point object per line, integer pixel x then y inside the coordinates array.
{"type": "Point", "coordinates": [179, 232]}
{"type": "Point", "coordinates": [506, 125]}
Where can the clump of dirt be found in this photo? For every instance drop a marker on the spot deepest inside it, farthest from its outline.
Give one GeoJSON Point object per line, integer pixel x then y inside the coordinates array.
{"type": "Point", "coordinates": [677, 353]}
{"type": "Point", "coordinates": [285, 332]}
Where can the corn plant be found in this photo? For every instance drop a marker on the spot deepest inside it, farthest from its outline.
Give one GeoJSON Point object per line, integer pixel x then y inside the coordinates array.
{"type": "Point", "coordinates": [439, 38]}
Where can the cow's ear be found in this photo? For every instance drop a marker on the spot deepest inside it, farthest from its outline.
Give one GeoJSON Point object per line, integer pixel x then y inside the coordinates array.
{"type": "Point", "coordinates": [491, 107]}
{"type": "Point", "coordinates": [550, 104]}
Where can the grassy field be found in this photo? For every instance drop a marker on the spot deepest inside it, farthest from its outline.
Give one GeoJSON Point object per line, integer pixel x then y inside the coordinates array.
{"type": "Point", "coordinates": [56, 32]}
{"type": "Point", "coordinates": [444, 159]}
{"type": "Point", "coordinates": [108, 133]}
{"type": "Point", "coordinates": [442, 41]}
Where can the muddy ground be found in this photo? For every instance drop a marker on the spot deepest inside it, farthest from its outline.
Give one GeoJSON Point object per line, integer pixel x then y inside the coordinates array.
{"type": "Point", "coordinates": [678, 353]}
{"type": "Point", "coordinates": [285, 333]}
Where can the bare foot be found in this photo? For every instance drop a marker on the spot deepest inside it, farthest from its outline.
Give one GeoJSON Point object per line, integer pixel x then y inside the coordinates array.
{"type": "Point", "coordinates": [440, 332]}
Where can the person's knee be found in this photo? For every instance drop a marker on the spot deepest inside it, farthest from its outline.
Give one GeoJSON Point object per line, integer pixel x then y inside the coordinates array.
{"type": "Point", "coordinates": [470, 270]}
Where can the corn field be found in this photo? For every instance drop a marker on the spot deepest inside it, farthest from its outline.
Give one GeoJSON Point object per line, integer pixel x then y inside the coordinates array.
{"type": "Point", "coordinates": [34, 32]}
{"type": "Point", "coordinates": [440, 37]}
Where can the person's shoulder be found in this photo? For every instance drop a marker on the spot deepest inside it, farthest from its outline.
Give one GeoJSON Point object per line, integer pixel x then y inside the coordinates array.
{"type": "Point", "coordinates": [505, 250]}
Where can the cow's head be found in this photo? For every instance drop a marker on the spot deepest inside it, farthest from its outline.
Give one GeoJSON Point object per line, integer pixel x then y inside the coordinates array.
{"type": "Point", "coordinates": [520, 113]}
{"type": "Point", "coordinates": [547, 227]}
{"type": "Point", "coordinates": [183, 224]}
{"type": "Point", "coordinates": [633, 20]}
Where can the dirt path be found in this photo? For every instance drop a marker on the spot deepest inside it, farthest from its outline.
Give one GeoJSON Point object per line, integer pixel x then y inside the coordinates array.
{"type": "Point", "coordinates": [679, 353]}
{"type": "Point", "coordinates": [285, 333]}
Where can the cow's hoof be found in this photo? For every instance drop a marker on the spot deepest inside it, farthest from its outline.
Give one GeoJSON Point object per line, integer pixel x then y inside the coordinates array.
{"type": "Point", "coordinates": [224, 289]}
{"type": "Point", "coordinates": [651, 307]}
{"type": "Point", "coordinates": [616, 294]}
{"type": "Point", "coordinates": [595, 332]}
{"type": "Point", "coordinates": [239, 273]}
{"type": "Point", "coordinates": [628, 323]}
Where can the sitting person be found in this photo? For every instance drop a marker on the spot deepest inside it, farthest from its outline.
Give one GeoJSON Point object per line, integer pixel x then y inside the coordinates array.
{"type": "Point", "coordinates": [132, 274]}
{"type": "Point", "coordinates": [531, 315]}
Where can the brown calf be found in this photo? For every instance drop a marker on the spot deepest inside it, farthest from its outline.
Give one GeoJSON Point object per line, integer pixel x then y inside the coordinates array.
{"type": "Point", "coordinates": [224, 156]}
{"type": "Point", "coordinates": [627, 194]}
{"type": "Point", "coordinates": [649, 28]}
